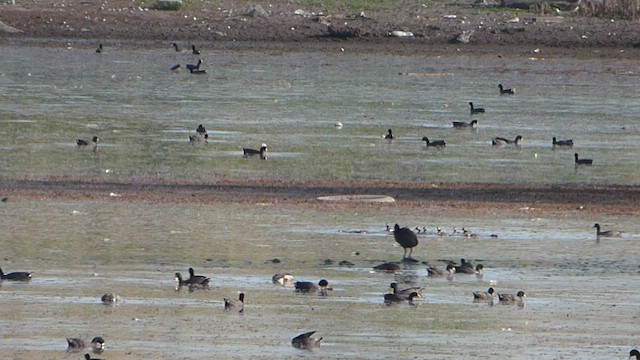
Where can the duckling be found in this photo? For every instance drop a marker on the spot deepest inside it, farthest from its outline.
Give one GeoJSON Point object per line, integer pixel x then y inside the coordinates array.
{"type": "Point", "coordinates": [504, 91]}
{"type": "Point", "coordinates": [462, 124]}
{"type": "Point", "coordinates": [305, 341]}
{"type": "Point", "coordinates": [475, 110]}
{"type": "Point", "coordinates": [608, 233]}
{"type": "Point", "coordinates": [15, 276]}
{"type": "Point", "coordinates": [233, 305]}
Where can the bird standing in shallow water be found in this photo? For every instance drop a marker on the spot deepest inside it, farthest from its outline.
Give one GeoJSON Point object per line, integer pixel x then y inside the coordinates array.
{"type": "Point", "coordinates": [305, 341]}
{"type": "Point", "coordinates": [406, 238]}
{"type": "Point", "coordinates": [252, 152]}
{"type": "Point", "coordinates": [608, 233]}
{"type": "Point", "coordinates": [15, 276]}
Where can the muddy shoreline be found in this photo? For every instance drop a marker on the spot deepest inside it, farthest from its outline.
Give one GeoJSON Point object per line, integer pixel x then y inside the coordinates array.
{"type": "Point", "coordinates": [466, 197]}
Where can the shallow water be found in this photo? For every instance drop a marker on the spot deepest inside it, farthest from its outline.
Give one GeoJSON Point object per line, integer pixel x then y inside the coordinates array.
{"type": "Point", "coordinates": [143, 114]}
{"type": "Point", "coordinates": [581, 303]}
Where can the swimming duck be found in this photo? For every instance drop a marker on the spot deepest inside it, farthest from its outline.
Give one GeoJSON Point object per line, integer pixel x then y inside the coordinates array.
{"type": "Point", "coordinates": [484, 295]}
{"type": "Point", "coordinates": [197, 279]}
{"type": "Point", "coordinates": [435, 143]}
{"type": "Point", "coordinates": [388, 267]}
{"type": "Point", "coordinates": [582, 161]}
{"type": "Point", "coordinates": [198, 71]}
{"type": "Point", "coordinates": [608, 233]}
{"type": "Point", "coordinates": [406, 238]}
{"type": "Point", "coordinates": [562, 143]}
{"type": "Point", "coordinates": [285, 279]}
{"type": "Point", "coordinates": [504, 91]}
{"type": "Point", "coordinates": [308, 287]}
{"type": "Point", "coordinates": [406, 292]}
{"type": "Point", "coordinates": [634, 354]}
{"type": "Point", "coordinates": [396, 298]}
{"type": "Point", "coordinates": [305, 341]}
{"type": "Point", "coordinates": [389, 135]}
{"type": "Point", "coordinates": [479, 269]}
{"type": "Point", "coordinates": [75, 344]}
{"type": "Point", "coordinates": [194, 51]}
{"type": "Point", "coordinates": [99, 49]}
{"type": "Point", "coordinates": [447, 272]}
{"type": "Point", "coordinates": [15, 276]}
{"type": "Point", "coordinates": [252, 152]}
{"type": "Point", "coordinates": [234, 305]}
{"type": "Point", "coordinates": [511, 298]}
{"type": "Point", "coordinates": [199, 139]}
{"type": "Point", "coordinates": [475, 110]}
{"type": "Point", "coordinates": [462, 124]}
{"type": "Point", "coordinates": [88, 144]}
{"type": "Point", "coordinates": [498, 141]}
{"type": "Point", "coordinates": [192, 67]}
{"type": "Point", "coordinates": [110, 298]}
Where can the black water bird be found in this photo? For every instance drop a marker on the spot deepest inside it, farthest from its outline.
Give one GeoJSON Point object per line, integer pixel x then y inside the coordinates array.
{"type": "Point", "coordinates": [15, 276]}
{"type": "Point", "coordinates": [99, 49]}
{"type": "Point", "coordinates": [562, 143]}
{"type": "Point", "coordinates": [608, 233]}
{"type": "Point", "coordinates": [397, 298]}
{"type": "Point", "coordinates": [582, 161]}
{"type": "Point", "coordinates": [498, 141]}
{"type": "Point", "coordinates": [194, 51]}
{"type": "Point", "coordinates": [201, 130]}
{"type": "Point", "coordinates": [434, 143]}
{"type": "Point", "coordinates": [88, 144]}
{"type": "Point", "coordinates": [388, 267]}
{"type": "Point", "coordinates": [306, 341]}
{"type": "Point", "coordinates": [252, 152]}
{"type": "Point", "coordinates": [504, 91]}
{"type": "Point", "coordinates": [474, 111]}
{"type": "Point", "coordinates": [307, 287]}
{"type": "Point", "coordinates": [406, 238]}
{"type": "Point", "coordinates": [192, 67]}
{"type": "Point", "coordinates": [462, 124]}
{"type": "Point", "coordinates": [389, 135]}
